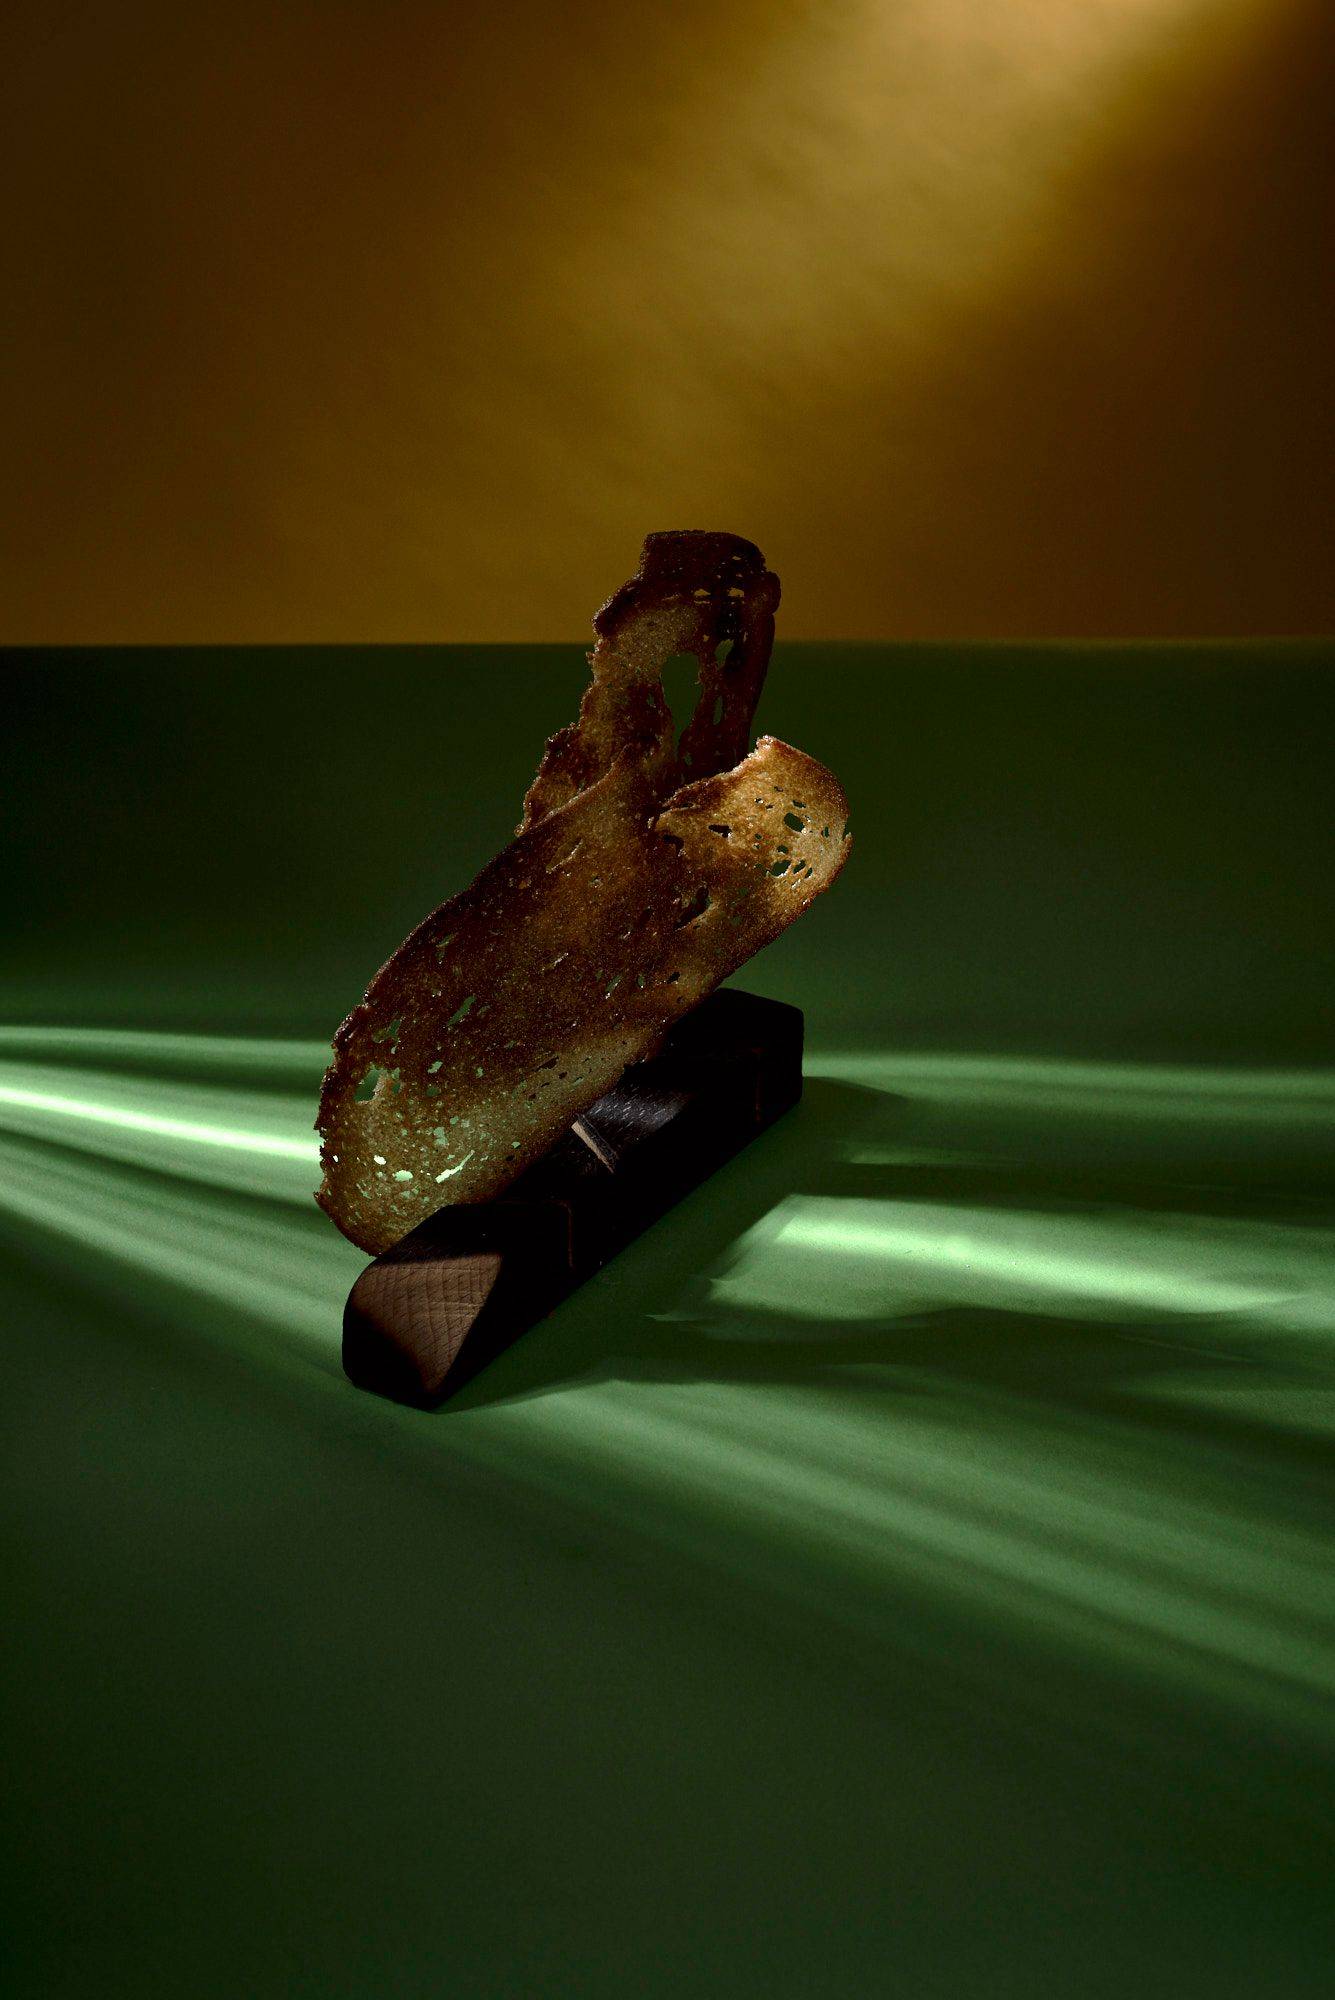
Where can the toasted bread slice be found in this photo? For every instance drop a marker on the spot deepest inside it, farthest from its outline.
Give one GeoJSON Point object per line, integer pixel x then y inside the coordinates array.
{"type": "Point", "coordinates": [694, 592]}
{"type": "Point", "coordinates": [625, 898]}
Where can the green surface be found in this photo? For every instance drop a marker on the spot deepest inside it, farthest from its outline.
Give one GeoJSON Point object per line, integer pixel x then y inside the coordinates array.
{"type": "Point", "coordinates": [907, 1570]}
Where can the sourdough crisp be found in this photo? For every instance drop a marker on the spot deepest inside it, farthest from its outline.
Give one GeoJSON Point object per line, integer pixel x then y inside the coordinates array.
{"type": "Point", "coordinates": [644, 872]}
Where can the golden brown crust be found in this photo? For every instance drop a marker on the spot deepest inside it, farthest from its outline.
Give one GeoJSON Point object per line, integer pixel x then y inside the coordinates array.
{"type": "Point", "coordinates": [763, 840]}
{"type": "Point", "coordinates": [520, 1001]}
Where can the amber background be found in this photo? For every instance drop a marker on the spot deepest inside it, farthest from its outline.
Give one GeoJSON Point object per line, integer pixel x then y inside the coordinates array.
{"type": "Point", "coordinates": [391, 322]}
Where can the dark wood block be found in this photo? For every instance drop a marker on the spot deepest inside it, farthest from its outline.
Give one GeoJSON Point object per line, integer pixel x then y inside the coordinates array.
{"type": "Point", "coordinates": [426, 1315]}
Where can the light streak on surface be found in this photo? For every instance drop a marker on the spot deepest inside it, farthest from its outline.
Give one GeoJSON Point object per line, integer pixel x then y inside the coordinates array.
{"type": "Point", "coordinates": [1114, 1088]}
{"type": "Point", "coordinates": [201, 1127]}
{"type": "Point", "coordinates": [207, 1245]}
{"type": "Point", "coordinates": [846, 1404]}
{"type": "Point", "coordinates": [827, 1257]}
{"type": "Point", "coordinates": [267, 1058]}
{"type": "Point", "coordinates": [82, 1110]}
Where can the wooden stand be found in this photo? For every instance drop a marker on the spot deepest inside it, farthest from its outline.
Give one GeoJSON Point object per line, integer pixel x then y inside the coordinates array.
{"type": "Point", "coordinates": [426, 1315]}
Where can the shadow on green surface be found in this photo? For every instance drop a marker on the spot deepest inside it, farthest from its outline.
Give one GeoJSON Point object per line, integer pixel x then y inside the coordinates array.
{"type": "Point", "coordinates": [696, 1301]}
{"type": "Point", "coordinates": [948, 1465]}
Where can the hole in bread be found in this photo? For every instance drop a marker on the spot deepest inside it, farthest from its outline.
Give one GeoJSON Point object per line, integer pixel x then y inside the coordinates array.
{"type": "Point", "coordinates": [390, 1031]}
{"type": "Point", "coordinates": [722, 650]}
{"type": "Point", "coordinates": [780, 867]}
{"type": "Point", "coordinates": [697, 906]}
{"type": "Point", "coordinates": [718, 710]}
{"type": "Point", "coordinates": [726, 831]}
{"type": "Point", "coordinates": [792, 820]}
{"type": "Point", "coordinates": [461, 1010]}
{"type": "Point", "coordinates": [681, 687]}
{"type": "Point", "coordinates": [365, 1090]}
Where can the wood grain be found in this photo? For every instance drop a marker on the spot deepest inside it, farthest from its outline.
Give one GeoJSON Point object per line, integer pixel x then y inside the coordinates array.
{"type": "Point", "coordinates": [461, 1286]}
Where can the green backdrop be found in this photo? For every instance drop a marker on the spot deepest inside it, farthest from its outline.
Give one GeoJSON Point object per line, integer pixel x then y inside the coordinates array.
{"type": "Point", "coordinates": [907, 1570]}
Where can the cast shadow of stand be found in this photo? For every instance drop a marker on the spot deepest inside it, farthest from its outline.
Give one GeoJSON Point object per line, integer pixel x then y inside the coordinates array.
{"type": "Point", "coordinates": [657, 1313]}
